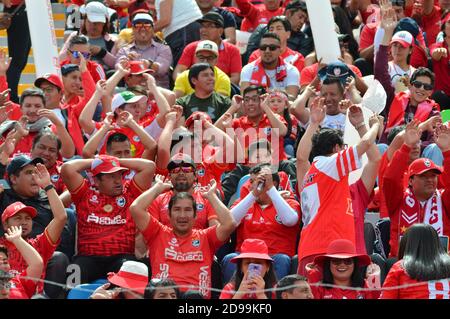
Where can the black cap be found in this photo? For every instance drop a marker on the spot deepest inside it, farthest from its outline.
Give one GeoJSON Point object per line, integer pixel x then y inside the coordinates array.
{"type": "Point", "coordinates": [297, 4]}
{"type": "Point", "coordinates": [69, 68]}
{"type": "Point", "coordinates": [179, 159]}
{"type": "Point", "coordinates": [213, 17]}
{"type": "Point", "coordinates": [20, 161]}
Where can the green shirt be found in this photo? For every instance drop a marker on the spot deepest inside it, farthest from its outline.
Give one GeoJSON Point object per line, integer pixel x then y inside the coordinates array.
{"type": "Point", "coordinates": [215, 105]}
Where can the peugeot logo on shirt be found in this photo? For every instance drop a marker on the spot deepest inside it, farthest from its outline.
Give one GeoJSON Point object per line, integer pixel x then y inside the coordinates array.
{"type": "Point", "coordinates": [121, 201]}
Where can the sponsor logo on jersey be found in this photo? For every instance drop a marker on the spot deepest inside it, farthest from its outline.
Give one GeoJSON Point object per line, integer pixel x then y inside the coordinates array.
{"type": "Point", "coordinates": [121, 201]}
{"type": "Point", "coordinates": [54, 178]}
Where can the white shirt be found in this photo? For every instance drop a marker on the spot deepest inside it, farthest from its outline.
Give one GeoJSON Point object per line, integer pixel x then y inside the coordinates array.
{"type": "Point", "coordinates": [292, 78]}
{"type": "Point", "coordinates": [396, 72]}
{"type": "Point", "coordinates": [335, 121]}
{"type": "Point", "coordinates": [184, 12]}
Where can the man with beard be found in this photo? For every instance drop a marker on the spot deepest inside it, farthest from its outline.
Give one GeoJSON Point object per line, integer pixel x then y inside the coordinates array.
{"type": "Point", "coordinates": [182, 176]}
{"type": "Point", "coordinates": [105, 230]}
{"type": "Point", "coordinates": [270, 70]}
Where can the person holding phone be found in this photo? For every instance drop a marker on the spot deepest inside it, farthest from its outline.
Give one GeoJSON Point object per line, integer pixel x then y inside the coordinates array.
{"type": "Point", "coordinates": [254, 273]}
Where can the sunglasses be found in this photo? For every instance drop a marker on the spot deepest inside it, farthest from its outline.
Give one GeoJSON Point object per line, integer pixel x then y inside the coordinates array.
{"type": "Point", "coordinates": [77, 54]}
{"type": "Point", "coordinates": [142, 25]}
{"type": "Point", "coordinates": [271, 47]}
{"type": "Point", "coordinates": [338, 261]}
{"type": "Point", "coordinates": [418, 84]}
{"type": "Point", "coordinates": [184, 169]}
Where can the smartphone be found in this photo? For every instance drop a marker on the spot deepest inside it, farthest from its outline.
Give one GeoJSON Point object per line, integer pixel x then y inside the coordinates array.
{"type": "Point", "coordinates": [254, 270]}
{"type": "Point", "coordinates": [5, 184]}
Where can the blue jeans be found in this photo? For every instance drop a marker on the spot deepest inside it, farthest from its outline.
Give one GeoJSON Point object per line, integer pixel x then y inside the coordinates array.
{"type": "Point", "coordinates": [281, 264]}
{"type": "Point", "coordinates": [434, 153]}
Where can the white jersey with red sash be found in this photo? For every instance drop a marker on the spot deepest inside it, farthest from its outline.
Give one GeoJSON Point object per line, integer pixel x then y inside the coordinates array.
{"type": "Point", "coordinates": [326, 202]}
{"type": "Point", "coordinates": [259, 76]}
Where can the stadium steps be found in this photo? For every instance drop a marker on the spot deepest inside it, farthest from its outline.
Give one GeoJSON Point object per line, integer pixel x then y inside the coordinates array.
{"type": "Point", "coordinates": [29, 73]}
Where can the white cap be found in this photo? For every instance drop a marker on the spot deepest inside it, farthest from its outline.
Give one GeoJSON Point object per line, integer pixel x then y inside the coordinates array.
{"type": "Point", "coordinates": [144, 17]}
{"type": "Point", "coordinates": [124, 97]}
{"type": "Point", "coordinates": [96, 12]}
{"type": "Point", "coordinates": [404, 38]}
{"type": "Point", "coordinates": [207, 45]}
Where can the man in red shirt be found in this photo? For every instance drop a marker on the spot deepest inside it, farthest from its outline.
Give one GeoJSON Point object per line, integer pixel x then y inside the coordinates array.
{"type": "Point", "coordinates": [229, 61]}
{"type": "Point", "coordinates": [264, 214]}
{"type": "Point", "coordinates": [105, 230]}
{"type": "Point", "coordinates": [182, 175]}
{"type": "Point", "coordinates": [19, 286]}
{"type": "Point", "coordinates": [281, 26]}
{"type": "Point", "coordinates": [256, 15]}
{"type": "Point", "coordinates": [258, 122]}
{"type": "Point", "coordinates": [179, 251]}
{"type": "Point", "coordinates": [421, 201]}
{"type": "Point", "coordinates": [17, 214]}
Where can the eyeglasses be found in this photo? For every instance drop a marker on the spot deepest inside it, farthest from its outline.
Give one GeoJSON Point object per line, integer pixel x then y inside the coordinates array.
{"type": "Point", "coordinates": [142, 26]}
{"type": "Point", "coordinates": [184, 169]}
{"type": "Point", "coordinates": [77, 54]}
{"type": "Point", "coordinates": [271, 47]}
{"type": "Point", "coordinates": [418, 84]}
{"type": "Point", "coordinates": [206, 58]}
{"type": "Point", "coordinates": [338, 261]}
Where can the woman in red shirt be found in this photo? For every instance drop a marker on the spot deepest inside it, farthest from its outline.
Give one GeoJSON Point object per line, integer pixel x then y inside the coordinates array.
{"type": "Point", "coordinates": [254, 273]}
{"type": "Point", "coordinates": [424, 261]}
{"type": "Point", "coordinates": [343, 268]}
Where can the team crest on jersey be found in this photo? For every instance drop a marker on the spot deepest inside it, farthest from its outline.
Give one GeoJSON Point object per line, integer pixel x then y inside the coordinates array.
{"type": "Point", "coordinates": [136, 139]}
{"type": "Point", "coordinates": [121, 201]}
{"type": "Point", "coordinates": [54, 178]}
{"type": "Point", "coordinates": [196, 242]}
{"type": "Point", "coordinates": [267, 130]}
{"type": "Point", "coordinates": [201, 172]}
{"type": "Point", "coordinates": [200, 206]}
{"type": "Point", "coordinates": [94, 199]}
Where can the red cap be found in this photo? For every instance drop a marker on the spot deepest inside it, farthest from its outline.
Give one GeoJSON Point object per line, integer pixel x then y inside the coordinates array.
{"type": "Point", "coordinates": [422, 165]}
{"type": "Point", "coordinates": [137, 67]}
{"type": "Point", "coordinates": [16, 208]}
{"type": "Point", "coordinates": [253, 248]}
{"type": "Point", "coordinates": [343, 249]}
{"type": "Point", "coordinates": [197, 115]}
{"type": "Point", "coordinates": [52, 78]}
{"type": "Point", "coordinates": [106, 164]}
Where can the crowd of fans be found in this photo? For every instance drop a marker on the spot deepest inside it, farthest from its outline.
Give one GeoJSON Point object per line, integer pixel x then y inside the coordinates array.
{"type": "Point", "coordinates": [166, 163]}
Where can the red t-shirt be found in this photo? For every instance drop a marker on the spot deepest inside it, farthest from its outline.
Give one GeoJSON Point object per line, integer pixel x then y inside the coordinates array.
{"type": "Point", "coordinates": [255, 131]}
{"type": "Point", "coordinates": [367, 36]}
{"type": "Point", "coordinates": [320, 292]}
{"type": "Point", "coordinates": [255, 15]}
{"type": "Point", "coordinates": [22, 288]}
{"type": "Point", "coordinates": [264, 223]}
{"type": "Point", "coordinates": [431, 24]}
{"type": "Point", "coordinates": [309, 73]}
{"type": "Point", "coordinates": [360, 201]}
{"type": "Point", "coordinates": [397, 276]}
{"type": "Point", "coordinates": [229, 60]}
{"type": "Point", "coordinates": [289, 56]}
{"type": "Point", "coordinates": [159, 209]}
{"type": "Point", "coordinates": [228, 293]}
{"type": "Point", "coordinates": [441, 69]}
{"type": "Point", "coordinates": [187, 260]}
{"type": "Point", "coordinates": [104, 223]}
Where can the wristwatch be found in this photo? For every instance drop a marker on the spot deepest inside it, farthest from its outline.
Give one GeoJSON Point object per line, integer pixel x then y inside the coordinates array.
{"type": "Point", "coordinates": [49, 187]}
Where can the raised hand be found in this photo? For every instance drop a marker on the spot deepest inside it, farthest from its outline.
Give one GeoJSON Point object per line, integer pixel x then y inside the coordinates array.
{"type": "Point", "coordinates": [124, 67]}
{"type": "Point", "coordinates": [151, 82]}
{"type": "Point", "coordinates": [355, 115]}
{"type": "Point", "coordinates": [14, 234]}
{"type": "Point", "coordinates": [41, 176]}
{"type": "Point", "coordinates": [133, 56]}
{"type": "Point", "coordinates": [4, 114]}
{"type": "Point", "coordinates": [227, 120]}
{"type": "Point", "coordinates": [178, 109]}
{"type": "Point", "coordinates": [5, 61]}
{"type": "Point", "coordinates": [10, 143]}
{"type": "Point", "coordinates": [100, 87]}
{"type": "Point", "coordinates": [49, 114]}
{"type": "Point", "coordinates": [102, 292]}
{"type": "Point", "coordinates": [163, 183]}
{"type": "Point", "coordinates": [388, 19]}
{"type": "Point", "coordinates": [124, 119]}
{"type": "Point", "coordinates": [442, 133]}
{"type": "Point", "coordinates": [264, 102]}
{"type": "Point", "coordinates": [108, 121]}
{"type": "Point", "coordinates": [22, 126]}
{"type": "Point", "coordinates": [318, 111]}
{"type": "Point", "coordinates": [83, 64]}
{"type": "Point", "coordinates": [430, 124]}
{"type": "Point", "coordinates": [349, 85]}
{"type": "Point", "coordinates": [210, 189]}
{"type": "Point", "coordinates": [412, 133]}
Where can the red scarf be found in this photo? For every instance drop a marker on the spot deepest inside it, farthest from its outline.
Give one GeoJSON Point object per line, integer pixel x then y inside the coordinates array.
{"type": "Point", "coordinates": [398, 107]}
{"type": "Point", "coordinates": [411, 212]}
{"type": "Point", "coordinates": [259, 76]}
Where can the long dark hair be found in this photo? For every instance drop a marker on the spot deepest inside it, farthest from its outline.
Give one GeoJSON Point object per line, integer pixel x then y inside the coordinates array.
{"type": "Point", "coordinates": [357, 278]}
{"type": "Point", "coordinates": [270, 278]}
{"type": "Point", "coordinates": [424, 258]}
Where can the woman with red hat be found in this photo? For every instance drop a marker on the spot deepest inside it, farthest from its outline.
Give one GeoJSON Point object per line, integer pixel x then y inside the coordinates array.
{"type": "Point", "coordinates": [254, 273]}
{"type": "Point", "coordinates": [341, 267]}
